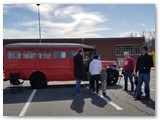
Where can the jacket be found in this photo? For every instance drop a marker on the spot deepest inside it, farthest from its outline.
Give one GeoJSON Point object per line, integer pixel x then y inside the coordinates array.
{"type": "Point", "coordinates": [144, 64]}
{"type": "Point", "coordinates": [78, 66]}
{"type": "Point", "coordinates": [128, 64]}
{"type": "Point", "coordinates": [95, 67]}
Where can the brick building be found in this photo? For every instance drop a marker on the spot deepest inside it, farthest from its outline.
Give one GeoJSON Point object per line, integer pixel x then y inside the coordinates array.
{"type": "Point", "coordinates": [108, 48]}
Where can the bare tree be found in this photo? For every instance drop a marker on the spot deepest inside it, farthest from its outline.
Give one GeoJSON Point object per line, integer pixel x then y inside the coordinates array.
{"type": "Point", "coordinates": [132, 34]}
{"type": "Point", "coordinates": [152, 36]}
{"type": "Point", "coordinates": [149, 38]}
{"type": "Point", "coordinates": [143, 33]}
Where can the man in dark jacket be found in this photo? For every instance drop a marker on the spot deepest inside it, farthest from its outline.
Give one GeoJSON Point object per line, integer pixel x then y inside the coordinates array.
{"type": "Point", "coordinates": [143, 66]}
{"type": "Point", "coordinates": [78, 69]}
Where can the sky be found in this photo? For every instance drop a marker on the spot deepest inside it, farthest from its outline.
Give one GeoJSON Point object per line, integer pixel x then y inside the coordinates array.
{"type": "Point", "coordinates": [21, 21]}
{"type": "Point", "coordinates": [77, 20]}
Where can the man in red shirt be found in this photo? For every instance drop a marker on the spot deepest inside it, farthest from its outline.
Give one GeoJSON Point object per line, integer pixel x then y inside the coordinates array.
{"type": "Point", "coordinates": [128, 68]}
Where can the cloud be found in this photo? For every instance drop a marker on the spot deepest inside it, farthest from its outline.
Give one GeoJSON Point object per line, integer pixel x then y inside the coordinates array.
{"type": "Point", "coordinates": [13, 33]}
{"type": "Point", "coordinates": [143, 24]}
{"type": "Point", "coordinates": [61, 21]}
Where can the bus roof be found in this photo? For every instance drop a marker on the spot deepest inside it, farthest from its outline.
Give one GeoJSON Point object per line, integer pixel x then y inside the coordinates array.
{"type": "Point", "coordinates": [48, 45]}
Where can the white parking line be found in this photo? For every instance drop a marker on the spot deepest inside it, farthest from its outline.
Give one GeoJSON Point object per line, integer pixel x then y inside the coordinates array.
{"type": "Point", "coordinates": [24, 110]}
{"type": "Point", "coordinates": [108, 101]}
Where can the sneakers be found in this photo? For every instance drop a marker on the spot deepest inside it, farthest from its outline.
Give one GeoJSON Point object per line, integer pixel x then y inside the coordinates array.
{"type": "Point", "coordinates": [125, 90]}
{"type": "Point", "coordinates": [131, 90]}
{"type": "Point", "coordinates": [146, 98]}
{"type": "Point", "coordinates": [137, 97]}
{"type": "Point", "coordinates": [104, 94]}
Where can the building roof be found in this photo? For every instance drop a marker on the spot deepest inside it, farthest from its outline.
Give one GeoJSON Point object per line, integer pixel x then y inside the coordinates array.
{"type": "Point", "coordinates": [59, 39]}
{"type": "Point", "coordinates": [48, 45]}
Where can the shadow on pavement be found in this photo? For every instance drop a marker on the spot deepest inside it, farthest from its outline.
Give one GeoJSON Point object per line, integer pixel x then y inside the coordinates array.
{"type": "Point", "coordinates": [149, 103]}
{"type": "Point", "coordinates": [78, 103]}
{"type": "Point", "coordinates": [55, 93]}
{"type": "Point", "coordinates": [51, 93]}
{"type": "Point", "coordinates": [98, 102]}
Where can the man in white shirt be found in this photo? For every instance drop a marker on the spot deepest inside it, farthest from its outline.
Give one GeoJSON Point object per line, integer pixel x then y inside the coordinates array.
{"type": "Point", "coordinates": [95, 68]}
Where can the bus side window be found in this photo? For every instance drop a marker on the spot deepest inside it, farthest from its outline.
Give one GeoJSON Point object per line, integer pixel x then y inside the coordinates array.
{"type": "Point", "coordinates": [14, 55]}
{"type": "Point", "coordinates": [29, 55]}
{"type": "Point", "coordinates": [59, 54]}
{"type": "Point", "coordinates": [44, 55]}
{"type": "Point", "coordinates": [71, 54]}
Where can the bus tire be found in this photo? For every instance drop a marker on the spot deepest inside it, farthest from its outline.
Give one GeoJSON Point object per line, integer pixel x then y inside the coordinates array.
{"type": "Point", "coordinates": [38, 80]}
{"type": "Point", "coordinates": [112, 78]}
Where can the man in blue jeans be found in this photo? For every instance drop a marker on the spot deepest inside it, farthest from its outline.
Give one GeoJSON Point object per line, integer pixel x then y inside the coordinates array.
{"type": "Point", "coordinates": [78, 70]}
{"type": "Point", "coordinates": [128, 68]}
{"type": "Point", "coordinates": [143, 66]}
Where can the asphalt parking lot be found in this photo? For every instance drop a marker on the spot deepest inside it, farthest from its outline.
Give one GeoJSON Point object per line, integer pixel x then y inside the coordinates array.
{"type": "Point", "coordinates": [58, 100]}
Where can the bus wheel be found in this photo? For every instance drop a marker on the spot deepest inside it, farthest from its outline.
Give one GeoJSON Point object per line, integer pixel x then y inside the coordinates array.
{"type": "Point", "coordinates": [112, 78]}
{"type": "Point", "coordinates": [38, 80]}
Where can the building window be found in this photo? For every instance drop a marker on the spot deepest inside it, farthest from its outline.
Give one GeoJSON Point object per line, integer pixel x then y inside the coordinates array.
{"type": "Point", "coordinates": [128, 48]}
{"type": "Point", "coordinates": [44, 55]}
{"type": "Point", "coordinates": [71, 54]}
{"type": "Point", "coordinates": [29, 55]}
{"type": "Point", "coordinates": [59, 54]}
{"type": "Point", "coordinates": [137, 49]}
{"type": "Point", "coordinates": [118, 50]}
{"type": "Point", "coordinates": [14, 55]}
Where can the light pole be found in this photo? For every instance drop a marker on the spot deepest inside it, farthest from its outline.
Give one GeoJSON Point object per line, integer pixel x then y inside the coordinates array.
{"type": "Point", "coordinates": [83, 40]}
{"type": "Point", "coordinates": [39, 23]}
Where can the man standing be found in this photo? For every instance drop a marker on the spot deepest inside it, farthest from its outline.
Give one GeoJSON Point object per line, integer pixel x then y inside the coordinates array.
{"type": "Point", "coordinates": [95, 68]}
{"type": "Point", "coordinates": [143, 66]}
{"type": "Point", "coordinates": [78, 69]}
{"type": "Point", "coordinates": [128, 68]}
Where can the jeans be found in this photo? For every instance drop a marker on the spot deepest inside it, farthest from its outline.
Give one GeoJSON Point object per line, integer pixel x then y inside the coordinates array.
{"type": "Point", "coordinates": [143, 77]}
{"type": "Point", "coordinates": [128, 74]}
{"type": "Point", "coordinates": [78, 84]}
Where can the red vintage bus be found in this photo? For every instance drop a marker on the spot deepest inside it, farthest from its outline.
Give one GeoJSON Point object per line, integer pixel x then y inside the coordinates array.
{"type": "Point", "coordinates": [42, 62]}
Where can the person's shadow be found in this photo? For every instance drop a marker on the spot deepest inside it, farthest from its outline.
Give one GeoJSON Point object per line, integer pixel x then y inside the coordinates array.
{"type": "Point", "coordinates": [96, 100]}
{"type": "Point", "coordinates": [78, 103]}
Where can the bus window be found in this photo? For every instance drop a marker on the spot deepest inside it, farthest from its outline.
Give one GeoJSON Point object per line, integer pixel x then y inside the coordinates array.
{"type": "Point", "coordinates": [71, 54]}
{"type": "Point", "coordinates": [44, 55]}
{"type": "Point", "coordinates": [29, 55]}
{"type": "Point", "coordinates": [13, 55]}
{"type": "Point", "coordinates": [59, 54]}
